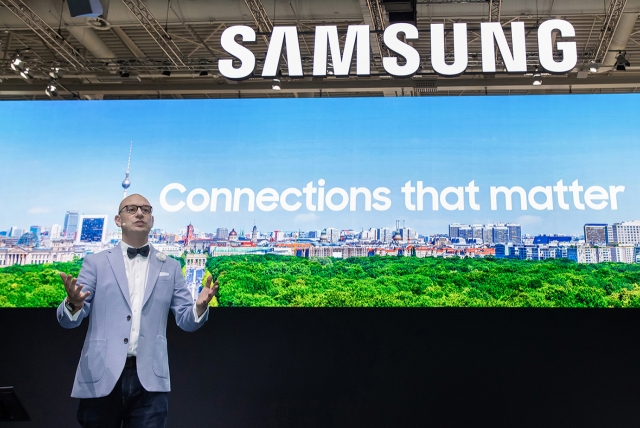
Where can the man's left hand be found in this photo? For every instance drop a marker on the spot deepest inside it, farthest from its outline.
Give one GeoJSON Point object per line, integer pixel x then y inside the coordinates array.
{"type": "Point", "coordinates": [205, 296]}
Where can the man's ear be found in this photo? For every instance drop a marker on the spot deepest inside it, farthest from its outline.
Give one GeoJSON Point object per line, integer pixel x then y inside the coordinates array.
{"type": "Point", "coordinates": [152, 221]}
{"type": "Point", "coordinates": [118, 220]}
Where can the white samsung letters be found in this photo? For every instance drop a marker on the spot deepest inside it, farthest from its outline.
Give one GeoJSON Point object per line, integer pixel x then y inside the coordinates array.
{"type": "Point", "coordinates": [396, 38]}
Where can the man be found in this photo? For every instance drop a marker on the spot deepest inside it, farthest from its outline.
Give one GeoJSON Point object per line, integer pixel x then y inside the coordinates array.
{"type": "Point", "coordinates": [127, 292]}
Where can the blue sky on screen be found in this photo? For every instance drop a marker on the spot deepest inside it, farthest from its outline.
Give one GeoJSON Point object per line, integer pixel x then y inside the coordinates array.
{"type": "Point", "coordinates": [60, 156]}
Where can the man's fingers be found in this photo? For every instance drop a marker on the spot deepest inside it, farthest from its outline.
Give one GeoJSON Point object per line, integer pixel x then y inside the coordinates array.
{"type": "Point", "coordinates": [70, 282]}
{"type": "Point", "coordinates": [78, 289]}
{"type": "Point", "coordinates": [208, 291]}
{"type": "Point", "coordinates": [79, 297]}
{"type": "Point", "coordinates": [64, 277]}
{"type": "Point", "coordinates": [207, 295]}
{"type": "Point", "coordinates": [67, 281]}
{"type": "Point", "coordinates": [74, 289]}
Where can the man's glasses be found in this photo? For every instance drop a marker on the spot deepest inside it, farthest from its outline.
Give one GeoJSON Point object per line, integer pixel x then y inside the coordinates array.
{"type": "Point", "coordinates": [132, 209]}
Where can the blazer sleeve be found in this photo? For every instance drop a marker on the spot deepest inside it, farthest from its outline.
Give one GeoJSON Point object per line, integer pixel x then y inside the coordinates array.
{"type": "Point", "coordinates": [87, 278]}
{"type": "Point", "coordinates": [182, 303]}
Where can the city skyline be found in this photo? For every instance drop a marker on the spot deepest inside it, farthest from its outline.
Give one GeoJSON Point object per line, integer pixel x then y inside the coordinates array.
{"type": "Point", "coordinates": [509, 227]}
{"type": "Point", "coordinates": [76, 159]}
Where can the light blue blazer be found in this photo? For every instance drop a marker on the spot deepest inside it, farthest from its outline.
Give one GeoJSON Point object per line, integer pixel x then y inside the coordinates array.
{"type": "Point", "coordinates": [109, 310]}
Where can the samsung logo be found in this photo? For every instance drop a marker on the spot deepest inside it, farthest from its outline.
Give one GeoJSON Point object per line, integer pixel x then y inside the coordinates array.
{"type": "Point", "coordinates": [357, 39]}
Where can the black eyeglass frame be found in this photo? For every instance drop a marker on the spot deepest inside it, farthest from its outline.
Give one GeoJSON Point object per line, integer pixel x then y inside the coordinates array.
{"type": "Point", "coordinates": [138, 207]}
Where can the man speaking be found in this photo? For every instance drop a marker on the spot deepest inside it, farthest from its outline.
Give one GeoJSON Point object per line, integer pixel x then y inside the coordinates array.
{"type": "Point", "coordinates": [127, 291]}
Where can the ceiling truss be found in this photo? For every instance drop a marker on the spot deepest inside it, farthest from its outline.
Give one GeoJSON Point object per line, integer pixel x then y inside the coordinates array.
{"type": "Point", "coordinates": [374, 16]}
{"type": "Point", "coordinates": [262, 20]}
{"type": "Point", "coordinates": [260, 17]}
{"type": "Point", "coordinates": [608, 28]}
{"type": "Point", "coordinates": [155, 30]}
{"type": "Point", "coordinates": [50, 38]}
{"type": "Point", "coordinates": [494, 9]}
{"type": "Point", "coordinates": [186, 46]}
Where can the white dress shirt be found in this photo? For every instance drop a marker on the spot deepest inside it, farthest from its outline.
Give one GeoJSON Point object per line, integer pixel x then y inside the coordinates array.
{"type": "Point", "coordinates": [136, 270]}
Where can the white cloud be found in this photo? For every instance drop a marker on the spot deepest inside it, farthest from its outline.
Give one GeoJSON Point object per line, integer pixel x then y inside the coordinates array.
{"type": "Point", "coordinates": [305, 218]}
{"type": "Point", "coordinates": [38, 210]}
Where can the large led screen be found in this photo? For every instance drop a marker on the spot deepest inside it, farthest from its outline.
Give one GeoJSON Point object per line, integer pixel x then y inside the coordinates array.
{"type": "Point", "coordinates": [468, 201]}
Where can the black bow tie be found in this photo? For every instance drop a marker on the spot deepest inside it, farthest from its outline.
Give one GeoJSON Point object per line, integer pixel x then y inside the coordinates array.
{"type": "Point", "coordinates": [133, 252]}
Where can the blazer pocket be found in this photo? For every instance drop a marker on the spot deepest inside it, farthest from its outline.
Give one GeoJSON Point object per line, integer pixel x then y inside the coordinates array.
{"type": "Point", "coordinates": [92, 361]}
{"type": "Point", "coordinates": [160, 358]}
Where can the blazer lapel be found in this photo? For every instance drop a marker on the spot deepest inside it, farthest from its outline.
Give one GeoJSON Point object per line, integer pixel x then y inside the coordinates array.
{"type": "Point", "coordinates": [155, 266]}
{"type": "Point", "coordinates": [114, 256]}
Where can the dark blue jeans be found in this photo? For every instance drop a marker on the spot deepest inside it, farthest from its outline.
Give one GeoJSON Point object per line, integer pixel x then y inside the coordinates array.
{"type": "Point", "coordinates": [128, 406]}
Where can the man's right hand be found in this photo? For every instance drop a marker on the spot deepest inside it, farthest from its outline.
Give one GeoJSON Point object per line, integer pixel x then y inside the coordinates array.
{"type": "Point", "coordinates": [75, 295]}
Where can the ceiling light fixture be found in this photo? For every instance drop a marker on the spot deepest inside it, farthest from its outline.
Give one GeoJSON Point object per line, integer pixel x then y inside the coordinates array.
{"type": "Point", "coordinates": [166, 73]}
{"type": "Point", "coordinates": [537, 77]}
{"type": "Point", "coordinates": [593, 67]}
{"type": "Point", "coordinates": [124, 74]}
{"type": "Point", "coordinates": [55, 73]}
{"type": "Point", "coordinates": [204, 73]}
{"type": "Point", "coordinates": [51, 90]}
{"type": "Point", "coordinates": [621, 61]}
{"type": "Point", "coordinates": [276, 85]}
{"type": "Point", "coordinates": [25, 74]}
{"type": "Point", "coordinates": [17, 64]}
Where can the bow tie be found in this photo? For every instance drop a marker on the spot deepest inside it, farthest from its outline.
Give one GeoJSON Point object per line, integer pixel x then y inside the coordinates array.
{"type": "Point", "coordinates": [133, 252]}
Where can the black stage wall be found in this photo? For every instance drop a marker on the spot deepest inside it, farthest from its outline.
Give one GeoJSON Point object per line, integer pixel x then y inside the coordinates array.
{"type": "Point", "coordinates": [264, 367]}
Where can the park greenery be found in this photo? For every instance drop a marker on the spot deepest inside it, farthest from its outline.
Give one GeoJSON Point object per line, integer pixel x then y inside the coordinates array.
{"type": "Point", "coordinates": [421, 282]}
{"type": "Point", "coordinates": [269, 280]}
{"type": "Point", "coordinates": [34, 286]}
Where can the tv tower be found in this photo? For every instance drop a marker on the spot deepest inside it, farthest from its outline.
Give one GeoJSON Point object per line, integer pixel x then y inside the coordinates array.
{"type": "Point", "coordinates": [126, 183]}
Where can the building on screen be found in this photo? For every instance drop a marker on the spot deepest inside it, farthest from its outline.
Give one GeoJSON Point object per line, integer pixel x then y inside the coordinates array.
{"type": "Point", "coordinates": [627, 232]}
{"type": "Point", "coordinates": [92, 229]}
{"type": "Point", "coordinates": [595, 234]}
{"type": "Point", "coordinates": [70, 224]}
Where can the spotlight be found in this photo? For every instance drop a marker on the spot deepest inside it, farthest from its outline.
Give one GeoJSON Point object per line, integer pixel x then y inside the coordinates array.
{"type": "Point", "coordinates": [276, 85]}
{"type": "Point", "coordinates": [51, 90]}
{"type": "Point", "coordinates": [537, 78]}
{"type": "Point", "coordinates": [17, 65]}
{"type": "Point", "coordinates": [55, 73]}
{"type": "Point", "coordinates": [166, 73]}
{"type": "Point", "coordinates": [593, 67]}
{"type": "Point", "coordinates": [25, 74]}
{"type": "Point", "coordinates": [124, 74]}
{"type": "Point", "coordinates": [621, 61]}
{"type": "Point", "coordinates": [204, 73]}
